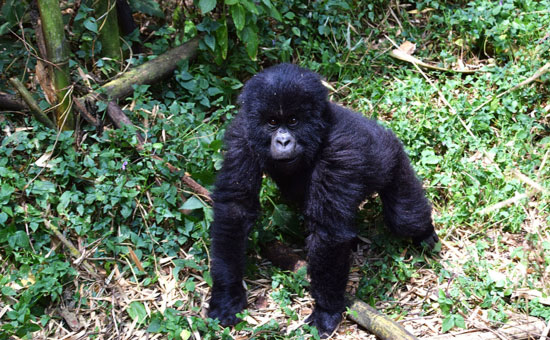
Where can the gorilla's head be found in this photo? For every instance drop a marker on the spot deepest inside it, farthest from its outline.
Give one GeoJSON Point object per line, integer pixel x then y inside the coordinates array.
{"type": "Point", "coordinates": [284, 107]}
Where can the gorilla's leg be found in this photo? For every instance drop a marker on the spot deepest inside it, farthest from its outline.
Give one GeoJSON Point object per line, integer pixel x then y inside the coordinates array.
{"type": "Point", "coordinates": [328, 267]}
{"type": "Point", "coordinates": [407, 211]}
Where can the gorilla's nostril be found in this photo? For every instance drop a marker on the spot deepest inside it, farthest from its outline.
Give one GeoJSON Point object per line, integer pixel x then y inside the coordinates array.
{"type": "Point", "coordinates": [283, 141]}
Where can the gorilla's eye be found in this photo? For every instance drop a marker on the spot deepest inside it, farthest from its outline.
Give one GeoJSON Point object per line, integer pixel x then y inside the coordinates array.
{"type": "Point", "coordinates": [272, 122]}
{"type": "Point", "coordinates": [293, 121]}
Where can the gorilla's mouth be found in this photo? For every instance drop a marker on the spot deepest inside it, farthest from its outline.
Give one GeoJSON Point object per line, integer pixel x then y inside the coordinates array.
{"type": "Point", "coordinates": [287, 160]}
{"type": "Point", "coordinates": [288, 164]}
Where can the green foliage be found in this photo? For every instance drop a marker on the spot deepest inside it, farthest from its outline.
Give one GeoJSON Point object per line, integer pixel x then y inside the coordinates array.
{"type": "Point", "coordinates": [12, 11]}
{"type": "Point", "coordinates": [149, 7]}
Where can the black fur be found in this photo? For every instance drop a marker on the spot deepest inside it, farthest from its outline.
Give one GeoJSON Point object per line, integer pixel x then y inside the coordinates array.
{"type": "Point", "coordinates": [341, 158]}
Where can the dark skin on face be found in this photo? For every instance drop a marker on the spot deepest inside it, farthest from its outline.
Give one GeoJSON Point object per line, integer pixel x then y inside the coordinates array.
{"type": "Point", "coordinates": [283, 142]}
{"type": "Point", "coordinates": [324, 158]}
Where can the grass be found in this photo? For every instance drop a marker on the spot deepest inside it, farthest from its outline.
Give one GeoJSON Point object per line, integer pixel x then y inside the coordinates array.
{"type": "Point", "coordinates": [484, 160]}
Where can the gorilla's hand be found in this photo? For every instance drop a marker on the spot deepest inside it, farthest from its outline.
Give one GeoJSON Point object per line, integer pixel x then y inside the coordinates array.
{"type": "Point", "coordinates": [226, 302]}
{"type": "Point", "coordinates": [427, 241]}
{"type": "Point", "coordinates": [325, 321]}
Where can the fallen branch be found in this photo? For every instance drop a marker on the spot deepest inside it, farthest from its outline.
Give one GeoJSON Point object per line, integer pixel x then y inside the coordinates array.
{"type": "Point", "coordinates": [516, 331]}
{"type": "Point", "coordinates": [361, 313]}
{"type": "Point", "coordinates": [146, 73]}
{"type": "Point", "coordinates": [81, 109]}
{"type": "Point", "coordinates": [376, 322]}
{"type": "Point", "coordinates": [120, 119]}
{"type": "Point", "coordinates": [544, 334]}
{"type": "Point", "coordinates": [540, 72]}
{"type": "Point", "coordinates": [500, 205]}
{"type": "Point", "coordinates": [72, 249]}
{"type": "Point", "coordinates": [35, 109]}
{"type": "Point", "coordinates": [149, 72]}
{"type": "Point", "coordinates": [536, 187]}
{"type": "Point", "coordinates": [398, 54]}
{"type": "Point", "coordinates": [11, 103]}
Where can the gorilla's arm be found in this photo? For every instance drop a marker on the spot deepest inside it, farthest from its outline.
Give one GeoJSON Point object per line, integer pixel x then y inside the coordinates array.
{"type": "Point", "coordinates": [236, 206]}
{"type": "Point", "coordinates": [334, 193]}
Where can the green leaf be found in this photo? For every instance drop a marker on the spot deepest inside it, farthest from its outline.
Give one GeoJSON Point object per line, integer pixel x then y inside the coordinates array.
{"type": "Point", "coordinates": [238, 15]}
{"type": "Point", "coordinates": [137, 311]}
{"type": "Point", "coordinates": [19, 240]}
{"type": "Point", "coordinates": [149, 7]}
{"type": "Point", "coordinates": [447, 324]}
{"type": "Point", "coordinates": [210, 41]}
{"type": "Point", "coordinates": [250, 40]}
{"type": "Point", "coordinates": [272, 10]}
{"type": "Point", "coordinates": [231, 2]}
{"type": "Point", "coordinates": [5, 193]}
{"type": "Point", "coordinates": [64, 201]}
{"type": "Point", "coordinates": [207, 5]}
{"type": "Point", "coordinates": [185, 334]}
{"type": "Point", "coordinates": [430, 158]}
{"type": "Point", "coordinates": [207, 278]}
{"type": "Point", "coordinates": [8, 291]}
{"type": "Point", "coordinates": [90, 24]}
{"type": "Point", "coordinates": [192, 203]}
{"type": "Point", "coordinates": [222, 39]}
{"type": "Point", "coordinates": [250, 6]}
{"type": "Point", "coordinates": [155, 325]}
{"type": "Point", "coordinates": [190, 285]}
{"type": "Point", "coordinates": [459, 321]}
{"type": "Point", "coordinates": [281, 215]}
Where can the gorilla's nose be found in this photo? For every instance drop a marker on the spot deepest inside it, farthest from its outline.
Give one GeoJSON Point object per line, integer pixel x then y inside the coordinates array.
{"type": "Point", "coordinates": [283, 140]}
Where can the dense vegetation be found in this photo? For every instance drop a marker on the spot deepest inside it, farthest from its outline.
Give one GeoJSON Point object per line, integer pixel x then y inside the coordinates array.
{"type": "Point", "coordinates": [480, 145]}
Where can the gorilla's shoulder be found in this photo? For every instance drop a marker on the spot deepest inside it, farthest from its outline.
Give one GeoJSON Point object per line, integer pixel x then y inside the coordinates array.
{"type": "Point", "coordinates": [349, 120]}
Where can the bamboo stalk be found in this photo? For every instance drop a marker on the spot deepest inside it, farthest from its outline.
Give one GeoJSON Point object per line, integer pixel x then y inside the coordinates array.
{"type": "Point", "coordinates": [58, 55]}
{"type": "Point", "coordinates": [109, 35]}
{"type": "Point", "coordinates": [72, 249]}
{"type": "Point", "coordinates": [149, 72]}
{"type": "Point", "coordinates": [31, 103]}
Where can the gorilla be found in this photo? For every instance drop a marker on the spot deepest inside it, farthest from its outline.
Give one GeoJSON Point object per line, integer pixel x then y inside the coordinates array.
{"type": "Point", "coordinates": [326, 159]}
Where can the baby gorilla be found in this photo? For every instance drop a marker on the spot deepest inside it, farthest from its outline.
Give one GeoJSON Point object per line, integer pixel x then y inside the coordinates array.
{"type": "Point", "coordinates": [325, 158]}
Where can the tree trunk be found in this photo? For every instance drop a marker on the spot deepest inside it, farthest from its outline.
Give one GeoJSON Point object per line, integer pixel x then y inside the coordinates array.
{"type": "Point", "coordinates": [58, 56]}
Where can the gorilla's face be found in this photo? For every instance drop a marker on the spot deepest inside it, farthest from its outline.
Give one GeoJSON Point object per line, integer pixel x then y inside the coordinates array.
{"type": "Point", "coordinates": [284, 110]}
{"type": "Point", "coordinates": [283, 142]}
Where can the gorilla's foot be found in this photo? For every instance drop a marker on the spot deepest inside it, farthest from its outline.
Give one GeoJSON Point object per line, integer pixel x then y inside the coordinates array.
{"type": "Point", "coordinates": [326, 322]}
{"type": "Point", "coordinates": [225, 303]}
{"type": "Point", "coordinates": [428, 242]}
